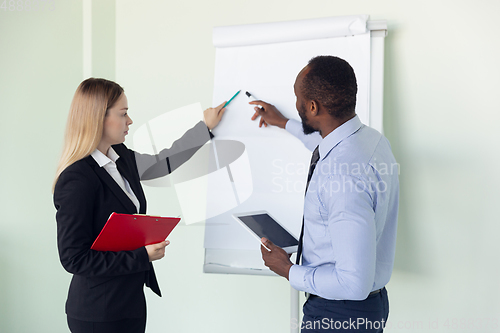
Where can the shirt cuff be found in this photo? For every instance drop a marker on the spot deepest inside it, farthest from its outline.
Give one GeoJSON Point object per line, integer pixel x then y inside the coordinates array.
{"type": "Point", "coordinates": [297, 277]}
{"type": "Point", "coordinates": [294, 127]}
{"type": "Point", "coordinates": [208, 129]}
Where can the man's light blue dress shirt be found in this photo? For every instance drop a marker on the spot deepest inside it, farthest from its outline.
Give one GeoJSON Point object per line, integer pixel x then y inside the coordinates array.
{"type": "Point", "coordinates": [350, 213]}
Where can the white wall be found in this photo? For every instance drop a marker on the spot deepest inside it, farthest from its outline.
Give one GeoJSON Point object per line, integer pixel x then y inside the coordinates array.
{"type": "Point", "coordinates": [441, 113]}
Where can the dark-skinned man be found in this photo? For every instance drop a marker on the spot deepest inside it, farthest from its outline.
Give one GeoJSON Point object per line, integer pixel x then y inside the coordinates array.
{"type": "Point", "coordinates": [348, 235]}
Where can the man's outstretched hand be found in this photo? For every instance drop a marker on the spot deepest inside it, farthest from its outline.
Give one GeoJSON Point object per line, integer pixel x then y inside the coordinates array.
{"type": "Point", "coordinates": [269, 115]}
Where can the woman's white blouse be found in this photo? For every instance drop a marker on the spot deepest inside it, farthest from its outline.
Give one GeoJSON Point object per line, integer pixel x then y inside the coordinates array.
{"type": "Point", "coordinates": [109, 164]}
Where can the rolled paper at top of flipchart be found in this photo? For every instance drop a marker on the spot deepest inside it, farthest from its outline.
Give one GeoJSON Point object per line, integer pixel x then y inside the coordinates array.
{"type": "Point", "coordinates": [280, 32]}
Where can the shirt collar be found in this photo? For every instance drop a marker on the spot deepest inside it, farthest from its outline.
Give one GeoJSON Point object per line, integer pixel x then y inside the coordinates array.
{"type": "Point", "coordinates": [102, 159]}
{"type": "Point", "coordinates": [337, 135]}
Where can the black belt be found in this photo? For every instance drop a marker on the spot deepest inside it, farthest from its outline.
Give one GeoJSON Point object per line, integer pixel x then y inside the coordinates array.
{"type": "Point", "coordinates": [372, 293]}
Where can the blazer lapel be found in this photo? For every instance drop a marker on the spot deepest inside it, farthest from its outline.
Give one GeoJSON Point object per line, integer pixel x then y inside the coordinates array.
{"type": "Point", "coordinates": [113, 186]}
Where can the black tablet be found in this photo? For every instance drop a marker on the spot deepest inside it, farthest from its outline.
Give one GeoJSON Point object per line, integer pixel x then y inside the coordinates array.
{"type": "Point", "coordinates": [262, 224]}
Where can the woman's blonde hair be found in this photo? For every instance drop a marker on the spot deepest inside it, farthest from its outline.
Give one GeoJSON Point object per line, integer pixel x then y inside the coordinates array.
{"type": "Point", "coordinates": [85, 124]}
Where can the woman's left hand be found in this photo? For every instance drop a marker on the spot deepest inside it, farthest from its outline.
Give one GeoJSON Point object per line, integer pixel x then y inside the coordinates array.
{"type": "Point", "coordinates": [212, 116]}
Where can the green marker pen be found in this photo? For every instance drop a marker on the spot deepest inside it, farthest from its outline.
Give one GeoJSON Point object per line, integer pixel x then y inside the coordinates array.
{"type": "Point", "coordinates": [231, 99]}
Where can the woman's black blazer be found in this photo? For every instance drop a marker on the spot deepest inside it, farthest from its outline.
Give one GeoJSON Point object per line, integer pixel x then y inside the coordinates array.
{"type": "Point", "coordinates": [108, 286]}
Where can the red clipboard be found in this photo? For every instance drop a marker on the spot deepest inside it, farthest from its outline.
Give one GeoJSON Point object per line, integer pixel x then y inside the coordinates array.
{"type": "Point", "coordinates": [126, 232]}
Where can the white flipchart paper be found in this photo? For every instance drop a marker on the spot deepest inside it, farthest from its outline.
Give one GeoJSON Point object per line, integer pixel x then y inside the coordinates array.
{"type": "Point", "coordinates": [265, 59]}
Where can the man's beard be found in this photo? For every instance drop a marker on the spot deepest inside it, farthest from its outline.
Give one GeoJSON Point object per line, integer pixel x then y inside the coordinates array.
{"type": "Point", "coordinates": [308, 129]}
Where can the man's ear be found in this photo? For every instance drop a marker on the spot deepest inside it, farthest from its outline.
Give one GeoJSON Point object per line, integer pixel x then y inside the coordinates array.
{"type": "Point", "coordinates": [313, 108]}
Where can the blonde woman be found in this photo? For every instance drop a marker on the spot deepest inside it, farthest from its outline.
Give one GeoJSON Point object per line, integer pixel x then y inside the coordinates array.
{"type": "Point", "coordinates": [98, 175]}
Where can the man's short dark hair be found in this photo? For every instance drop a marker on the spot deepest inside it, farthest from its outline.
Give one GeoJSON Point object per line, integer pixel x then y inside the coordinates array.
{"type": "Point", "coordinates": [331, 82]}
